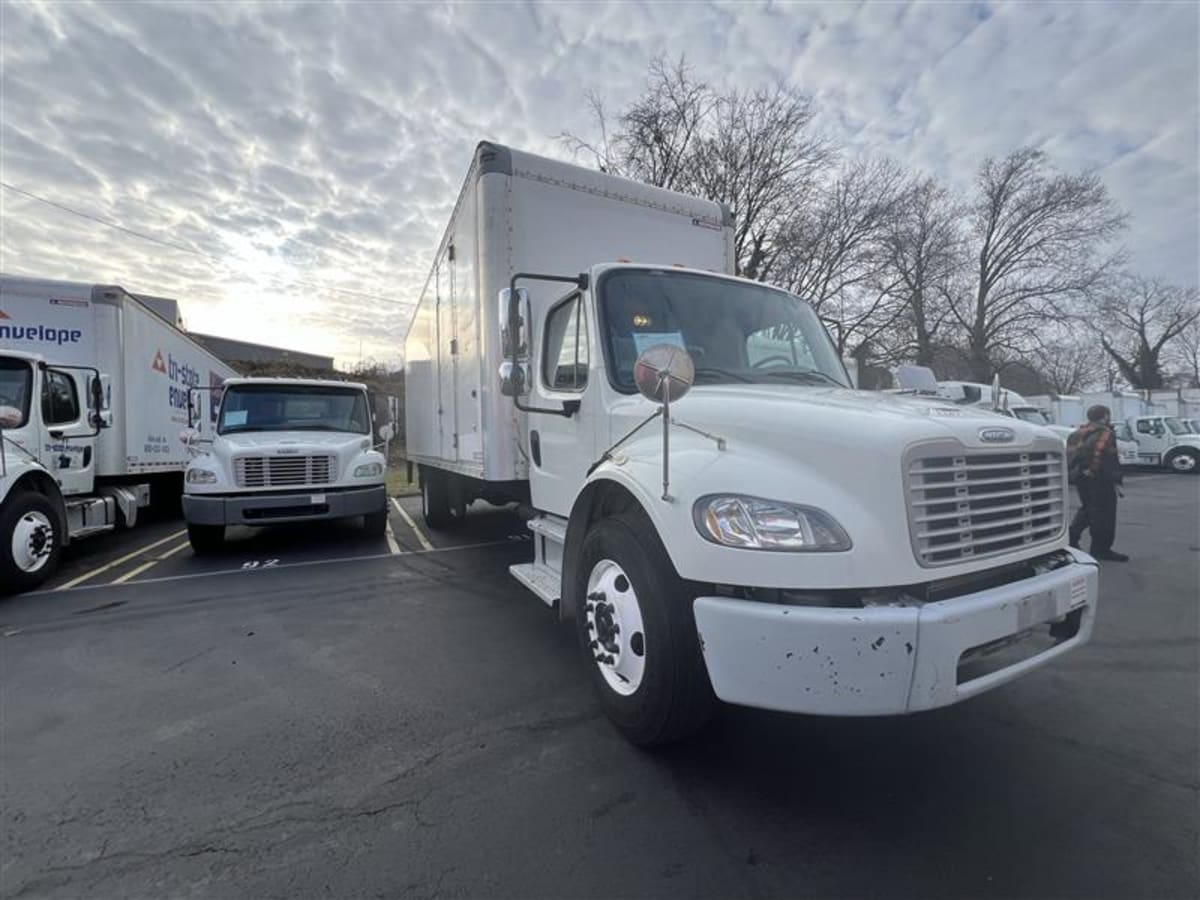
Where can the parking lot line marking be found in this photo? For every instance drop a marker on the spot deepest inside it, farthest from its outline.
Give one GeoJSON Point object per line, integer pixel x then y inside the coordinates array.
{"type": "Point", "coordinates": [424, 541]}
{"type": "Point", "coordinates": [118, 562]}
{"type": "Point", "coordinates": [146, 565]}
{"type": "Point", "coordinates": [393, 547]}
{"type": "Point", "coordinates": [310, 562]}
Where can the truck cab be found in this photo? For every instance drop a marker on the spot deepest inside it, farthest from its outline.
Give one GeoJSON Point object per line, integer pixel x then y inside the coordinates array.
{"type": "Point", "coordinates": [1165, 441]}
{"type": "Point", "coordinates": [284, 450]}
{"type": "Point", "coordinates": [832, 551]}
{"type": "Point", "coordinates": [50, 416]}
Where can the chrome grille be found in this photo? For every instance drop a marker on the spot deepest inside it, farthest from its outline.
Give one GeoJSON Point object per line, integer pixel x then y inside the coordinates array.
{"type": "Point", "coordinates": [282, 471]}
{"type": "Point", "coordinates": [967, 504]}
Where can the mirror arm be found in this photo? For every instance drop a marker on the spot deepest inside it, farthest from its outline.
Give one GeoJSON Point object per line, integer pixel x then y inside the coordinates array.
{"type": "Point", "coordinates": [570, 407]}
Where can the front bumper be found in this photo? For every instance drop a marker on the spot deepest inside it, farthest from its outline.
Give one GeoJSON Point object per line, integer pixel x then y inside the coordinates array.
{"type": "Point", "coordinates": [292, 506]}
{"type": "Point", "coordinates": [888, 660]}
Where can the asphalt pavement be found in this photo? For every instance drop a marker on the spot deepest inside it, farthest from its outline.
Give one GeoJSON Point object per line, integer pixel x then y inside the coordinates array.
{"type": "Point", "coordinates": [315, 713]}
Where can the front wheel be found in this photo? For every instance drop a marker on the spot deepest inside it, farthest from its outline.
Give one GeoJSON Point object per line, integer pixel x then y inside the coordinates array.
{"type": "Point", "coordinates": [1185, 461]}
{"type": "Point", "coordinates": [29, 542]}
{"type": "Point", "coordinates": [638, 634]}
{"type": "Point", "coordinates": [206, 539]}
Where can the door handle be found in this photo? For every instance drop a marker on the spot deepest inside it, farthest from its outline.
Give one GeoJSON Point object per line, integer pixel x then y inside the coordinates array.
{"type": "Point", "coordinates": [535, 448]}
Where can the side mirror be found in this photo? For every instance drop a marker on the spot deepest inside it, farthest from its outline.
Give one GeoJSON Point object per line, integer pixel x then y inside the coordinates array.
{"type": "Point", "coordinates": [664, 373]}
{"type": "Point", "coordinates": [514, 323]}
{"type": "Point", "coordinates": [188, 436]}
{"type": "Point", "coordinates": [386, 433]}
{"type": "Point", "coordinates": [514, 378]}
{"type": "Point", "coordinates": [10, 417]}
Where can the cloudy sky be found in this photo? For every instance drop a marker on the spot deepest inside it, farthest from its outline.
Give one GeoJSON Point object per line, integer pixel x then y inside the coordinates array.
{"type": "Point", "coordinates": [310, 154]}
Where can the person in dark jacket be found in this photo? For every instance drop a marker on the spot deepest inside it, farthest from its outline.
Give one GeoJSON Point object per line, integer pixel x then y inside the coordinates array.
{"type": "Point", "coordinates": [1095, 469]}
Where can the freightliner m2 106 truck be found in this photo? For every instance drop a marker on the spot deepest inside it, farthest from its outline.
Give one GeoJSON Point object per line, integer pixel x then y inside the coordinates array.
{"type": "Point", "coordinates": [773, 538]}
{"type": "Point", "coordinates": [285, 450]}
{"type": "Point", "coordinates": [93, 393]}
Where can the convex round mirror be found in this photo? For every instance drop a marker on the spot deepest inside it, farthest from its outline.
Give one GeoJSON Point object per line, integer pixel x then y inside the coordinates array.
{"type": "Point", "coordinates": [664, 373]}
{"type": "Point", "coordinates": [10, 417]}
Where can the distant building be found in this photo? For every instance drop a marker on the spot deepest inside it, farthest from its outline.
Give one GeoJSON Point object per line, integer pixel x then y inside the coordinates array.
{"type": "Point", "coordinates": [234, 351]}
{"type": "Point", "coordinates": [230, 350]}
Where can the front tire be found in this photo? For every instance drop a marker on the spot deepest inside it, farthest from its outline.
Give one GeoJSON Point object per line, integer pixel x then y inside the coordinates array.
{"type": "Point", "coordinates": [1186, 462]}
{"type": "Point", "coordinates": [648, 669]}
{"type": "Point", "coordinates": [206, 539]}
{"type": "Point", "coordinates": [29, 542]}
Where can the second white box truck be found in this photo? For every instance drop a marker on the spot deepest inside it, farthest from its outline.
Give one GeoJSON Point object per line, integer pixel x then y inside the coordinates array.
{"type": "Point", "coordinates": [94, 392]}
{"type": "Point", "coordinates": [775, 539]}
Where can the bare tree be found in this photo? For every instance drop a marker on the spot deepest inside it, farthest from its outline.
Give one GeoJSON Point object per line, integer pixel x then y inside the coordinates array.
{"type": "Point", "coordinates": [1138, 318]}
{"type": "Point", "coordinates": [752, 151]}
{"type": "Point", "coordinates": [923, 255]}
{"type": "Point", "coordinates": [834, 251]}
{"type": "Point", "coordinates": [1069, 362]}
{"type": "Point", "coordinates": [1187, 354]}
{"type": "Point", "coordinates": [1038, 239]}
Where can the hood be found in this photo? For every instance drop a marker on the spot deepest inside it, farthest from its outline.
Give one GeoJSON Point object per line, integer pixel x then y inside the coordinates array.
{"type": "Point", "coordinates": [840, 417]}
{"type": "Point", "coordinates": [292, 441]}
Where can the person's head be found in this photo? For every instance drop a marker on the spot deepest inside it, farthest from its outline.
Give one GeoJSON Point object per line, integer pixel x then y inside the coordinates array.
{"type": "Point", "coordinates": [1099, 414]}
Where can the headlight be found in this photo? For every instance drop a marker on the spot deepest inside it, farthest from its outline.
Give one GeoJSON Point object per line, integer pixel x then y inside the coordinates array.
{"type": "Point", "coordinates": [369, 470]}
{"type": "Point", "coordinates": [201, 476]}
{"type": "Point", "coordinates": [757, 524]}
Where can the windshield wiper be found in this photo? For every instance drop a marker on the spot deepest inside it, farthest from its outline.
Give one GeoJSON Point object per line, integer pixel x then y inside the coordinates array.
{"type": "Point", "coordinates": [723, 373]}
{"type": "Point", "coordinates": [803, 373]}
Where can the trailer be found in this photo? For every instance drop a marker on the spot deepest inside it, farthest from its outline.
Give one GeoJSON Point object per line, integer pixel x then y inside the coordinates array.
{"type": "Point", "coordinates": [689, 454]}
{"type": "Point", "coordinates": [94, 392]}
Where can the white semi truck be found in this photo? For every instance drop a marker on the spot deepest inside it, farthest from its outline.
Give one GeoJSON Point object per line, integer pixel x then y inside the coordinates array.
{"type": "Point", "coordinates": [775, 538]}
{"type": "Point", "coordinates": [283, 451]}
{"type": "Point", "coordinates": [93, 392]}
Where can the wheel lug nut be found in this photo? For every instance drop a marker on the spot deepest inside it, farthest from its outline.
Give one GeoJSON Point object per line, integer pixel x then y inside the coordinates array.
{"type": "Point", "coordinates": [596, 595]}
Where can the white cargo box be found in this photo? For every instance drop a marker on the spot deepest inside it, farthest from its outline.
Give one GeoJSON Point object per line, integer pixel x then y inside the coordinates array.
{"type": "Point", "coordinates": [518, 212]}
{"type": "Point", "coordinates": [147, 366]}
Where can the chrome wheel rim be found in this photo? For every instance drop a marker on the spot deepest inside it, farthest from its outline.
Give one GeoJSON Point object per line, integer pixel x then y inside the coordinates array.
{"type": "Point", "coordinates": [1183, 462]}
{"type": "Point", "coordinates": [616, 636]}
{"type": "Point", "coordinates": [32, 541]}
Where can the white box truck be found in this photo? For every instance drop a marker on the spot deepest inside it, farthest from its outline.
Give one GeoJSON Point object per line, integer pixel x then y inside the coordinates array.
{"type": "Point", "coordinates": [285, 451]}
{"type": "Point", "coordinates": [774, 538]}
{"type": "Point", "coordinates": [93, 393]}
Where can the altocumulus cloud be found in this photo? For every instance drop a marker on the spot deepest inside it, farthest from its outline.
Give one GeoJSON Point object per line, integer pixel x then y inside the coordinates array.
{"type": "Point", "coordinates": [325, 143]}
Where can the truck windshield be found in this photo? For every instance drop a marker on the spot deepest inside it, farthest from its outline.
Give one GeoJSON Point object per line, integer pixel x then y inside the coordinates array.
{"type": "Point", "coordinates": [735, 332]}
{"type": "Point", "coordinates": [1029, 414]}
{"type": "Point", "coordinates": [275, 407]}
{"type": "Point", "coordinates": [1175, 426]}
{"type": "Point", "coordinates": [16, 379]}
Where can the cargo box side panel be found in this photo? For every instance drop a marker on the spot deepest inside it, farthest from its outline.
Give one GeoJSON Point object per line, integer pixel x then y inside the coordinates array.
{"type": "Point", "coordinates": [421, 436]}
{"type": "Point", "coordinates": [462, 262]}
{"type": "Point", "coordinates": [160, 365]}
{"type": "Point", "coordinates": [502, 423]}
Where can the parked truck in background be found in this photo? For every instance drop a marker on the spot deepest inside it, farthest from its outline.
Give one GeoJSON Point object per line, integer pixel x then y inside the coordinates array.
{"type": "Point", "coordinates": [283, 451]}
{"type": "Point", "coordinates": [774, 538]}
{"type": "Point", "coordinates": [93, 392]}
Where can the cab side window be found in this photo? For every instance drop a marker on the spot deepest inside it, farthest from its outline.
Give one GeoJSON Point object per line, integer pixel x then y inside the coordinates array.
{"type": "Point", "coordinates": [1149, 426]}
{"type": "Point", "coordinates": [60, 402]}
{"type": "Point", "coordinates": [565, 362]}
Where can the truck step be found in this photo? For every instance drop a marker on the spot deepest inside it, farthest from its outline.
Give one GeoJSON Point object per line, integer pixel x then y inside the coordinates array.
{"type": "Point", "coordinates": [551, 527]}
{"type": "Point", "coordinates": [542, 580]}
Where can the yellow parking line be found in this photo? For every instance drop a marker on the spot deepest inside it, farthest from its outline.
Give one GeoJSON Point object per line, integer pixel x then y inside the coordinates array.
{"type": "Point", "coordinates": [144, 566]}
{"type": "Point", "coordinates": [424, 541]}
{"type": "Point", "coordinates": [118, 562]}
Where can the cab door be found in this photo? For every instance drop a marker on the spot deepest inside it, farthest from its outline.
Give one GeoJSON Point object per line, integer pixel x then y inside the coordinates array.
{"type": "Point", "coordinates": [561, 447]}
{"type": "Point", "coordinates": [68, 444]}
{"type": "Point", "coordinates": [1152, 439]}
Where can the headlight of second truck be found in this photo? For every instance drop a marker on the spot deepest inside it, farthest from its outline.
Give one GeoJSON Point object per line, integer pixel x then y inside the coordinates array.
{"type": "Point", "coordinates": [201, 476]}
{"type": "Point", "coordinates": [753, 523]}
